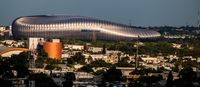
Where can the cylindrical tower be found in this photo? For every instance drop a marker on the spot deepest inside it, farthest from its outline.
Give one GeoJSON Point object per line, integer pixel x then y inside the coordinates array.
{"type": "Point", "coordinates": [53, 49]}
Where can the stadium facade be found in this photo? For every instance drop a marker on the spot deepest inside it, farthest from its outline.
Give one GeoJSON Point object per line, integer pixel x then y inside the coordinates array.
{"type": "Point", "coordinates": [76, 27]}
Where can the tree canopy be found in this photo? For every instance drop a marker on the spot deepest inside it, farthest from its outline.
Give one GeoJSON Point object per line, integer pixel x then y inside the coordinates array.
{"type": "Point", "coordinates": [112, 75]}
{"type": "Point", "coordinates": [20, 63]}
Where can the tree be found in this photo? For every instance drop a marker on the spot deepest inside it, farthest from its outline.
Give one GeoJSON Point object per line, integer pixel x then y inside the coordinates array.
{"type": "Point", "coordinates": [50, 67]}
{"type": "Point", "coordinates": [99, 72]}
{"type": "Point", "coordinates": [78, 58]}
{"type": "Point", "coordinates": [148, 80]}
{"type": "Point", "coordinates": [89, 59]}
{"type": "Point", "coordinates": [119, 56]}
{"type": "Point", "coordinates": [170, 80]}
{"type": "Point", "coordinates": [123, 62]}
{"type": "Point", "coordinates": [86, 68]}
{"type": "Point", "coordinates": [19, 63]}
{"type": "Point", "coordinates": [104, 49]}
{"type": "Point", "coordinates": [100, 63]}
{"type": "Point", "coordinates": [188, 74]}
{"type": "Point", "coordinates": [138, 72]}
{"type": "Point", "coordinates": [42, 80]}
{"type": "Point", "coordinates": [112, 75]}
{"type": "Point", "coordinates": [41, 52]}
{"type": "Point", "coordinates": [39, 62]}
{"type": "Point", "coordinates": [70, 61]}
{"type": "Point", "coordinates": [5, 83]}
{"type": "Point", "coordinates": [69, 78]}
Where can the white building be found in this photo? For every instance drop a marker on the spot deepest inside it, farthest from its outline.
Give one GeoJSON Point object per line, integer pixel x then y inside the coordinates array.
{"type": "Point", "coordinates": [33, 42]}
{"type": "Point", "coordinates": [83, 75]}
{"type": "Point", "coordinates": [73, 47]}
{"type": "Point", "coordinates": [2, 28]}
{"type": "Point", "coordinates": [176, 45]}
{"type": "Point", "coordinates": [95, 49]}
{"type": "Point", "coordinates": [12, 43]}
{"type": "Point", "coordinates": [98, 57]}
{"type": "Point", "coordinates": [151, 60]}
{"type": "Point", "coordinates": [112, 52]}
{"type": "Point", "coordinates": [56, 40]}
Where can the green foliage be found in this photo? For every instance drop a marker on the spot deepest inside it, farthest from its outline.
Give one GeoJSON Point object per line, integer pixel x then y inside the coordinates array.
{"type": "Point", "coordinates": [97, 63]}
{"type": "Point", "coordinates": [150, 48]}
{"type": "Point", "coordinates": [70, 61]}
{"type": "Point", "coordinates": [170, 80]}
{"type": "Point", "coordinates": [183, 63]}
{"type": "Point", "coordinates": [39, 62]}
{"type": "Point", "coordinates": [112, 75]}
{"type": "Point", "coordinates": [41, 52]}
{"type": "Point", "coordinates": [90, 59]}
{"type": "Point", "coordinates": [123, 63]}
{"type": "Point", "coordinates": [5, 83]}
{"type": "Point", "coordinates": [42, 80]}
{"type": "Point", "coordinates": [104, 49]}
{"type": "Point", "coordinates": [50, 67]}
{"type": "Point", "coordinates": [145, 71]}
{"type": "Point", "coordinates": [99, 72]}
{"type": "Point", "coordinates": [175, 69]}
{"type": "Point", "coordinates": [184, 52]}
{"type": "Point", "coordinates": [138, 72]}
{"type": "Point", "coordinates": [67, 83]}
{"type": "Point", "coordinates": [19, 63]}
{"type": "Point", "coordinates": [149, 80]}
{"type": "Point", "coordinates": [77, 58]}
{"type": "Point", "coordinates": [189, 63]}
{"type": "Point", "coordinates": [86, 68]}
{"type": "Point", "coordinates": [52, 61]}
{"type": "Point", "coordinates": [70, 76]}
{"type": "Point", "coordinates": [100, 63]}
{"type": "Point", "coordinates": [188, 74]}
{"type": "Point", "coordinates": [153, 49]}
{"type": "Point", "coordinates": [127, 48]}
{"type": "Point", "coordinates": [78, 42]}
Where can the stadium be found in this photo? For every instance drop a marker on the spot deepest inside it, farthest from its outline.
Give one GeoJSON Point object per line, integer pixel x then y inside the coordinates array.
{"type": "Point", "coordinates": [76, 27]}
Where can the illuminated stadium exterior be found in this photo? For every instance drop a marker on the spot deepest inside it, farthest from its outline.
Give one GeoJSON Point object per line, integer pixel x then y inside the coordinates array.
{"type": "Point", "coordinates": [76, 27]}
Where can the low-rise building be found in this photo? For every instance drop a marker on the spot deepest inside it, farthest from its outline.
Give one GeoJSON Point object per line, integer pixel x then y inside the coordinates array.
{"type": "Point", "coordinates": [73, 47]}
{"type": "Point", "coordinates": [98, 57]}
{"type": "Point", "coordinates": [95, 49]}
{"type": "Point", "coordinates": [9, 51]}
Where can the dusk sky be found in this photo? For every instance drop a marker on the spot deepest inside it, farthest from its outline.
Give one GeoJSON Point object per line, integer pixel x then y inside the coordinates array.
{"type": "Point", "coordinates": [140, 12]}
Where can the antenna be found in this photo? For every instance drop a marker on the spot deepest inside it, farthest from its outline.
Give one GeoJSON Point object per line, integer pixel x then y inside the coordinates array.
{"type": "Point", "coordinates": [198, 19]}
{"type": "Point", "coordinates": [94, 36]}
{"type": "Point", "coordinates": [130, 22]}
{"type": "Point", "coordinates": [198, 26]}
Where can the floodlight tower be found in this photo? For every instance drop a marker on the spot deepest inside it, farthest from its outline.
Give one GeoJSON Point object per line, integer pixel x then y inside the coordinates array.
{"type": "Point", "coordinates": [93, 35]}
{"type": "Point", "coordinates": [198, 26]}
{"type": "Point", "coordinates": [136, 56]}
{"type": "Point", "coordinates": [198, 19]}
{"type": "Point", "coordinates": [32, 55]}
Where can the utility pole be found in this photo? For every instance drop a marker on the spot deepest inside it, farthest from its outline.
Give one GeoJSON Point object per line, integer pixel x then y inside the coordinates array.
{"type": "Point", "coordinates": [32, 57]}
{"type": "Point", "coordinates": [136, 56]}
{"type": "Point", "coordinates": [198, 25]}
{"type": "Point", "coordinates": [93, 35]}
{"type": "Point", "coordinates": [198, 19]}
{"type": "Point", "coordinates": [130, 23]}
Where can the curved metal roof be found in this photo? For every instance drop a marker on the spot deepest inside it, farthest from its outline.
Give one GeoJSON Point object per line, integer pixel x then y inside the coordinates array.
{"type": "Point", "coordinates": [45, 23]}
{"type": "Point", "coordinates": [4, 49]}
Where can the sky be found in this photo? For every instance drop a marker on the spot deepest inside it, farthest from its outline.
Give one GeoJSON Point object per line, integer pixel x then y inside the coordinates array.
{"type": "Point", "coordinates": [136, 12]}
